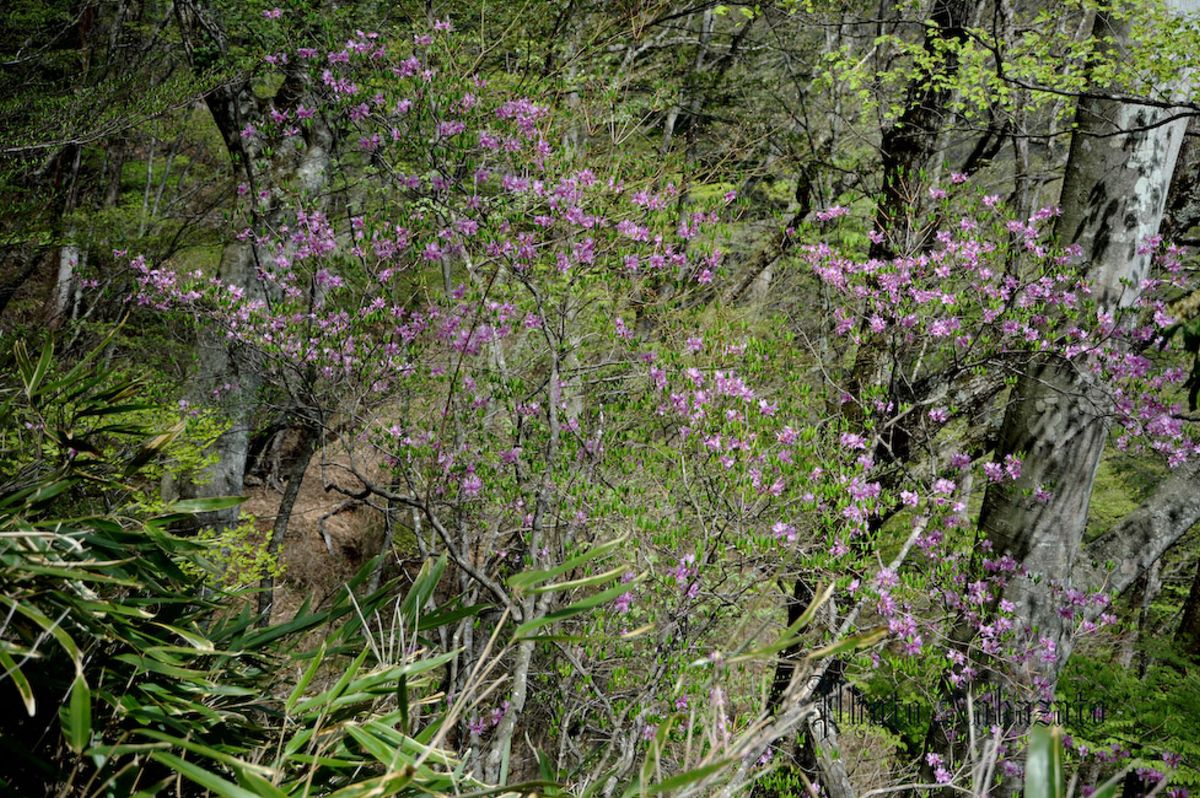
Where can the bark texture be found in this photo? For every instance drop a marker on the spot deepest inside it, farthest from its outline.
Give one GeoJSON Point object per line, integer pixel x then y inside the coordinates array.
{"type": "Point", "coordinates": [305, 448]}
{"type": "Point", "coordinates": [1116, 559]}
{"type": "Point", "coordinates": [1188, 633]}
{"type": "Point", "coordinates": [1114, 191]}
{"type": "Point", "coordinates": [230, 371]}
{"type": "Point", "coordinates": [908, 144]}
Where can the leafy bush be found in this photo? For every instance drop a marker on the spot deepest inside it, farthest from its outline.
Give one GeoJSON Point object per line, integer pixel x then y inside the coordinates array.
{"type": "Point", "coordinates": [235, 557]}
{"type": "Point", "coordinates": [121, 674]}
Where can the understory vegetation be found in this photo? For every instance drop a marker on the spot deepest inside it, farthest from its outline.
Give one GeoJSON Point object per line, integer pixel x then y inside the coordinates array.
{"type": "Point", "coordinates": [595, 399]}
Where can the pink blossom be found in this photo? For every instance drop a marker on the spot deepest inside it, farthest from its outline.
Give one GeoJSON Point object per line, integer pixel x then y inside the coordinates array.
{"type": "Point", "coordinates": [851, 441]}
{"type": "Point", "coordinates": [944, 487]}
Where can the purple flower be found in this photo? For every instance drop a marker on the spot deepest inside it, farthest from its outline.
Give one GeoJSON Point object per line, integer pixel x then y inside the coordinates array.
{"type": "Point", "coordinates": [851, 441]}
{"type": "Point", "coordinates": [471, 483]}
{"type": "Point", "coordinates": [1012, 466]}
{"type": "Point", "coordinates": [943, 487]}
{"type": "Point", "coordinates": [831, 213]}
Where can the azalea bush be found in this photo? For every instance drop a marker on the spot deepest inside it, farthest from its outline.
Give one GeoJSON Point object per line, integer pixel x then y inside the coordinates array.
{"type": "Point", "coordinates": [499, 344]}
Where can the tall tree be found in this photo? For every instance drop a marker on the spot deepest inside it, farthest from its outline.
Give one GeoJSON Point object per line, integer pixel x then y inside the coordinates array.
{"type": "Point", "coordinates": [911, 141]}
{"type": "Point", "coordinates": [238, 109]}
{"type": "Point", "coordinates": [1121, 161]}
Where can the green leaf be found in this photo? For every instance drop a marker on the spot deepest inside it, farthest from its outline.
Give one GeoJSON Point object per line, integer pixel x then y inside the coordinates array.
{"type": "Point", "coordinates": [193, 506]}
{"type": "Point", "coordinates": [572, 609]}
{"type": "Point", "coordinates": [49, 627]}
{"type": "Point", "coordinates": [789, 636]}
{"type": "Point", "coordinates": [379, 787]}
{"type": "Point", "coordinates": [77, 719]}
{"type": "Point", "coordinates": [306, 679]}
{"type": "Point", "coordinates": [527, 579]}
{"type": "Point", "coordinates": [403, 742]}
{"type": "Point", "coordinates": [384, 753]}
{"type": "Point", "coordinates": [523, 788]}
{"type": "Point", "coordinates": [207, 780]}
{"type": "Point", "coordinates": [258, 784]}
{"type": "Point", "coordinates": [13, 671]}
{"type": "Point", "coordinates": [204, 750]}
{"type": "Point", "coordinates": [257, 638]}
{"type": "Point", "coordinates": [678, 780]}
{"type": "Point", "coordinates": [586, 581]}
{"type": "Point", "coordinates": [1044, 763]}
{"type": "Point", "coordinates": [325, 699]}
{"type": "Point", "coordinates": [447, 615]}
{"type": "Point", "coordinates": [1109, 788]}
{"type": "Point", "coordinates": [34, 379]}
{"type": "Point", "coordinates": [852, 643]}
{"type": "Point", "coordinates": [422, 588]}
{"type": "Point", "coordinates": [152, 447]}
{"type": "Point", "coordinates": [196, 641]}
{"type": "Point", "coordinates": [156, 665]}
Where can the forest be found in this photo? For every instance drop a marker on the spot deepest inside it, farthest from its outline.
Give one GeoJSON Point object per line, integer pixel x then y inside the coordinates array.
{"type": "Point", "coordinates": [599, 398]}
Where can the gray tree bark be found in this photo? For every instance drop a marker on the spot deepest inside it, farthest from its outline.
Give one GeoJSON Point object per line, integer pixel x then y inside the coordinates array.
{"type": "Point", "coordinates": [1114, 191]}
{"type": "Point", "coordinates": [1116, 559]}
{"type": "Point", "coordinates": [305, 448]}
{"type": "Point", "coordinates": [231, 370]}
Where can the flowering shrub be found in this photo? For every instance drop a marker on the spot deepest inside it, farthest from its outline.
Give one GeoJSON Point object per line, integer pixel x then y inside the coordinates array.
{"type": "Point", "coordinates": [499, 341]}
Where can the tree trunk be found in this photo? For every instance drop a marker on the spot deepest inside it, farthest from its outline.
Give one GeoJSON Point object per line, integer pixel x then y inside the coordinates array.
{"type": "Point", "coordinates": [70, 252]}
{"type": "Point", "coordinates": [1120, 165]}
{"type": "Point", "coordinates": [301, 457]}
{"type": "Point", "coordinates": [1116, 559]}
{"type": "Point", "coordinates": [1188, 633]}
{"type": "Point", "coordinates": [1141, 598]}
{"type": "Point", "coordinates": [1114, 191]}
{"type": "Point", "coordinates": [909, 143]}
{"type": "Point", "coordinates": [816, 752]}
{"type": "Point", "coordinates": [27, 259]}
{"type": "Point", "coordinates": [231, 371]}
